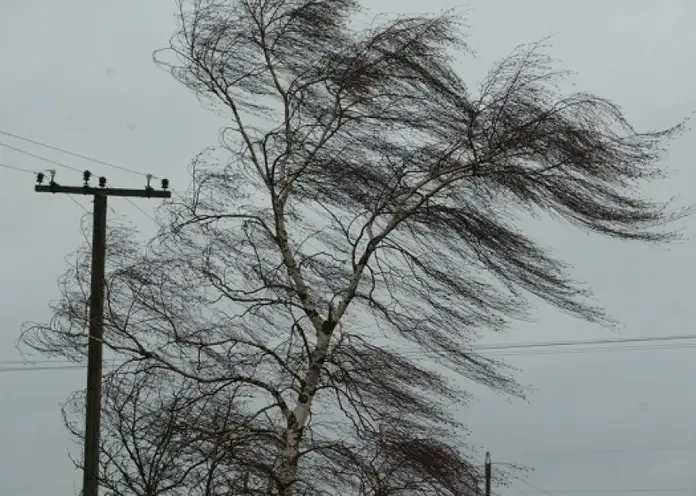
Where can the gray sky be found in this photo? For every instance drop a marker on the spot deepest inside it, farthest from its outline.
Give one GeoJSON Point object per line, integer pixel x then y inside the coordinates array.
{"type": "Point", "coordinates": [79, 75]}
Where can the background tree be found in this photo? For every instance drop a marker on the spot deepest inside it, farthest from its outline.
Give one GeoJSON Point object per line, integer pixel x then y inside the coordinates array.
{"type": "Point", "coordinates": [363, 226]}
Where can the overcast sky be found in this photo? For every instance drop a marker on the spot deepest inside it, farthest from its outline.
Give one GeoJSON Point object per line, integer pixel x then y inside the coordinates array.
{"type": "Point", "coordinates": [78, 75]}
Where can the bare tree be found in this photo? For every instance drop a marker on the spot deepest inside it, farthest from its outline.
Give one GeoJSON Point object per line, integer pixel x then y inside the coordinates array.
{"type": "Point", "coordinates": [360, 234]}
{"type": "Point", "coordinates": [164, 435]}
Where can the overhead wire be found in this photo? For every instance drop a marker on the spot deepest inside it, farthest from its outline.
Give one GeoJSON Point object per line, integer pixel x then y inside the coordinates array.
{"type": "Point", "coordinates": [39, 157]}
{"type": "Point", "coordinates": [139, 208]}
{"type": "Point", "coordinates": [19, 169]}
{"type": "Point", "coordinates": [41, 367]}
{"type": "Point", "coordinates": [542, 344]}
{"type": "Point", "coordinates": [584, 351]}
{"type": "Point", "coordinates": [552, 492]}
{"type": "Point", "coordinates": [578, 346]}
{"type": "Point", "coordinates": [562, 491]}
{"type": "Point", "coordinates": [608, 451]}
{"type": "Point", "coordinates": [74, 154]}
{"type": "Point", "coordinates": [533, 487]}
{"type": "Point", "coordinates": [655, 491]}
{"type": "Point", "coordinates": [74, 200]}
{"type": "Point", "coordinates": [4, 364]}
{"type": "Point", "coordinates": [521, 491]}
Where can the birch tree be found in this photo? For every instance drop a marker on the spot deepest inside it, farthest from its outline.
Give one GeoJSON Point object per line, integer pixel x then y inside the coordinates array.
{"type": "Point", "coordinates": [353, 234]}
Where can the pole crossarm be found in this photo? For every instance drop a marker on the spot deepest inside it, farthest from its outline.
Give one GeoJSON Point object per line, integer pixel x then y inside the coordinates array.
{"type": "Point", "coordinates": [82, 190]}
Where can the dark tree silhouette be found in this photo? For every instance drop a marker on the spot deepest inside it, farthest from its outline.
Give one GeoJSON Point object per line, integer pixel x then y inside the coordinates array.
{"type": "Point", "coordinates": [363, 226]}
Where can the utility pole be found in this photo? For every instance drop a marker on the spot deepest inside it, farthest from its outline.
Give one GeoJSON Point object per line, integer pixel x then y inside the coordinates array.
{"type": "Point", "coordinates": [488, 474]}
{"type": "Point", "coordinates": [90, 482]}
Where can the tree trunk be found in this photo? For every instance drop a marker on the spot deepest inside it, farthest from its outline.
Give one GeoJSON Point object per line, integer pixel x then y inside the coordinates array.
{"type": "Point", "coordinates": [287, 471]}
{"type": "Point", "coordinates": [297, 420]}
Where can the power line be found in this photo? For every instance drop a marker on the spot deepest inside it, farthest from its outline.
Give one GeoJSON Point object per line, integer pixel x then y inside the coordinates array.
{"type": "Point", "coordinates": [516, 346]}
{"type": "Point", "coordinates": [579, 343]}
{"type": "Point", "coordinates": [39, 157]}
{"type": "Point", "coordinates": [137, 207]}
{"type": "Point", "coordinates": [598, 451]}
{"type": "Point", "coordinates": [71, 153]}
{"type": "Point", "coordinates": [545, 344]}
{"type": "Point", "coordinates": [551, 492]}
{"type": "Point", "coordinates": [78, 204]}
{"type": "Point", "coordinates": [583, 343]}
{"type": "Point", "coordinates": [19, 169]}
{"type": "Point", "coordinates": [39, 368]}
{"type": "Point", "coordinates": [681, 490]}
{"type": "Point", "coordinates": [140, 209]}
{"type": "Point", "coordinates": [584, 351]}
{"type": "Point", "coordinates": [522, 492]}
{"type": "Point", "coordinates": [32, 362]}
{"type": "Point", "coordinates": [533, 487]}
{"type": "Point", "coordinates": [567, 347]}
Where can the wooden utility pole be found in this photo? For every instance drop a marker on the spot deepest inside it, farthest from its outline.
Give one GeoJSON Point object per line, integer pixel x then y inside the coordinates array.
{"type": "Point", "coordinates": [488, 474]}
{"type": "Point", "coordinates": [90, 482]}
